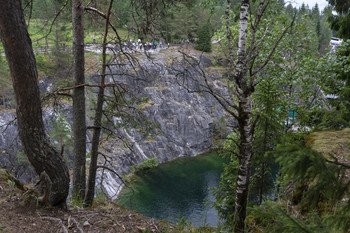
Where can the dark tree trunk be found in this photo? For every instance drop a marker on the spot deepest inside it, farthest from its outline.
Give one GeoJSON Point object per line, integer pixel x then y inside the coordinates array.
{"type": "Point", "coordinates": [263, 163]}
{"type": "Point", "coordinates": [98, 120]}
{"type": "Point", "coordinates": [79, 121]}
{"type": "Point", "coordinates": [38, 148]}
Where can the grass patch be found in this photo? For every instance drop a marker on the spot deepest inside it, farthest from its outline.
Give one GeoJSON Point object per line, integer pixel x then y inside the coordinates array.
{"type": "Point", "coordinates": [2, 227]}
{"type": "Point", "coordinates": [334, 142]}
{"type": "Point", "coordinates": [145, 165]}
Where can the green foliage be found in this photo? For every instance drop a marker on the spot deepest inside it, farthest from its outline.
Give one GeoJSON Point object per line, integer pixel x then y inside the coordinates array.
{"type": "Point", "coordinates": [273, 217]}
{"type": "Point", "coordinates": [343, 74]}
{"type": "Point", "coordinates": [221, 128]}
{"type": "Point", "coordinates": [100, 196]}
{"type": "Point", "coordinates": [61, 134]}
{"type": "Point", "coordinates": [324, 36]}
{"type": "Point", "coordinates": [341, 24]}
{"type": "Point", "coordinates": [339, 221]}
{"type": "Point", "coordinates": [225, 194]}
{"type": "Point", "coordinates": [331, 120]}
{"type": "Point", "coordinates": [204, 38]}
{"type": "Point", "coordinates": [314, 188]}
{"type": "Point", "coordinates": [337, 72]}
{"type": "Point", "coordinates": [5, 79]}
{"type": "Point", "coordinates": [286, 83]}
{"type": "Point", "coordinates": [269, 131]}
{"type": "Point", "coordinates": [11, 188]}
{"type": "Point", "coordinates": [44, 66]}
{"type": "Point", "coordinates": [22, 160]}
{"type": "Point", "coordinates": [148, 164]}
{"type": "Point", "coordinates": [325, 182]}
{"type": "Point", "coordinates": [181, 224]}
{"type": "Point", "coordinates": [2, 227]}
{"type": "Point", "coordinates": [77, 201]}
{"type": "Point", "coordinates": [179, 22]}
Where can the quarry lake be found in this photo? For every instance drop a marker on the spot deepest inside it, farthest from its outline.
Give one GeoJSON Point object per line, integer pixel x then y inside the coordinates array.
{"type": "Point", "coordinates": [178, 189]}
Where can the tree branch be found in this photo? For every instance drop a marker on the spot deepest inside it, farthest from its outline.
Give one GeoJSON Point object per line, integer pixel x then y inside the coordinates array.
{"type": "Point", "coordinates": [60, 222]}
{"type": "Point", "coordinates": [346, 166]}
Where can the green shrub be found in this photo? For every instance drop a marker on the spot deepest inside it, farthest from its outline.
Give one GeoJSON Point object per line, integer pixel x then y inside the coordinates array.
{"type": "Point", "coordinates": [147, 164]}
{"type": "Point", "coordinates": [204, 38]}
{"type": "Point", "coordinates": [332, 120]}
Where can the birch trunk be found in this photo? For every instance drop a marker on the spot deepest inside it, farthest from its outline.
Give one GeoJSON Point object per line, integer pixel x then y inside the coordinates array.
{"type": "Point", "coordinates": [37, 145]}
{"type": "Point", "coordinates": [245, 156]}
{"type": "Point", "coordinates": [243, 74]}
{"type": "Point", "coordinates": [244, 91]}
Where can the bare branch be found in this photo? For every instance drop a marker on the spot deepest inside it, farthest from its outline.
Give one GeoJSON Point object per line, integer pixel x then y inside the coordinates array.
{"type": "Point", "coordinates": [258, 18]}
{"type": "Point", "coordinates": [76, 223]}
{"type": "Point", "coordinates": [222, 101]}
{"type": "Point", "coordinates": [111, 170]}
{"type": "Point", "coordinates": [30, 11]}
{"type": "Point", "coordinates": [60, 222]}
{"type": "Point", "coordinates": [8, 124]}
{"type": "Point", "coordinates": [103, 15]}
{"type": "Point", "coordinates": [88, 85]}
{"type": "Point", "coordinates": [344, 165]}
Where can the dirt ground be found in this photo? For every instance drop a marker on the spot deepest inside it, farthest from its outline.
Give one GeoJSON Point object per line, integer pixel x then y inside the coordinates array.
{"type": "Point", "coordinates": [103, 217]}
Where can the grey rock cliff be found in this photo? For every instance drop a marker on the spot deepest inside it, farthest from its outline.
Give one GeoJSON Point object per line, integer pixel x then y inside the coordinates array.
{"type": "Point", "coordinates": [184, 122]}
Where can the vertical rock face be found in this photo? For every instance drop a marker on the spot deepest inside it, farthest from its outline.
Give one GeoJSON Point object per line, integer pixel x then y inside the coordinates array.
{"type": "Point", "coordinates": [184, 122]}
{"type": "Point", "coordinates": [9, 143]}
{"type": "Point", "coordinates": [12, 156]}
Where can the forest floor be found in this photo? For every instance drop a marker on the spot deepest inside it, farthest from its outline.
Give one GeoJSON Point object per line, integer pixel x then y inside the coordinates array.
{"type": "Point", "coordinates": [102, 217]}
{"type": "Point", "coordinates": [15, 217]}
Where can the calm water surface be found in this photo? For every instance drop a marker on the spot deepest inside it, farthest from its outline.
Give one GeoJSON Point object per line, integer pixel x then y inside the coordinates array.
{"type": "Point", "coordinates": [180, 188]}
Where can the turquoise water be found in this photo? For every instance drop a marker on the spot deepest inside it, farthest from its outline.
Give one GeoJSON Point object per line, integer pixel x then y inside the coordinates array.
{"type": "Point", "coordinates": [178, 189]}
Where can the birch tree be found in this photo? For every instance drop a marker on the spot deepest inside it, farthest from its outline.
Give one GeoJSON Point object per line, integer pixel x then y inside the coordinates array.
{"type": "Point", "coordinates": [248, 46]}
{"type": "Point", "coordinates": [245, 66]}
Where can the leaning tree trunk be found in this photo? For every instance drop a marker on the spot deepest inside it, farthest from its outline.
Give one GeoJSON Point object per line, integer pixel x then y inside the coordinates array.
{"type": "Point", "coordinates": [79, 121]}
{"type": "Point", "coordinates": [37, 146]}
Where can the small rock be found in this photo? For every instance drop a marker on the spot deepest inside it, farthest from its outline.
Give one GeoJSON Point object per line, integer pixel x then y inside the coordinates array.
{"type": "Point", "coordinates": [142, 229]}
{"type": "Point", "coordinates": [86, 224]}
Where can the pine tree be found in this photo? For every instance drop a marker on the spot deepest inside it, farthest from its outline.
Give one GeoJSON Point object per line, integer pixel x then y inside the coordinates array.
{"type": "Point", "coordinates": [42, 155]}
{"type": "Point", "coordinates": [204, 38]}
{"type": "Point", "coordinates": [341, 21]}
{"type": "Point", "coordinates": [314, 191]}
